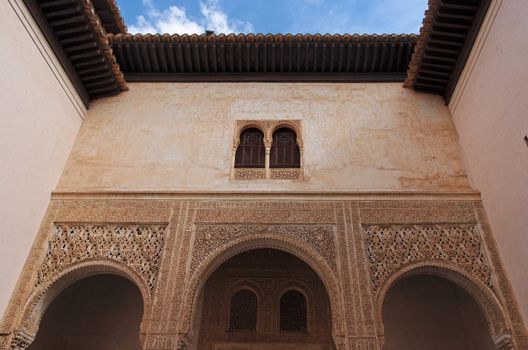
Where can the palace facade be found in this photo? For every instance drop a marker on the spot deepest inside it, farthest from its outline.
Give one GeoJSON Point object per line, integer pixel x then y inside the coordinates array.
{"type": "Point", "coordinates": [279, 191]}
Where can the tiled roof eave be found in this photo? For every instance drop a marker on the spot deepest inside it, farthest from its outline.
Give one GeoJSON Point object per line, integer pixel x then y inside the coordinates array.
{"type": "Point", "coordinates": [120, 23]}
{"type": "Point", "coordinates": [104, 42]}
{"type": "Point", "coordinates": [263, 57]}
{"type": "Point", "coordinates": [263, 38]}
{"type": "Point", "coordinates": [418, 53]}
{"type": "Point", "coordinates": [449, 30]}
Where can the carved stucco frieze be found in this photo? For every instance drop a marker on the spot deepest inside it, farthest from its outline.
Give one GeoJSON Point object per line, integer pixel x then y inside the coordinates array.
{"type": "Point", "coordinates": [285, 174]}
{"type": "Point", "coordinates": [209, 238]}
{"type": "Point", "coordinates": [138, 246]}
{"type": "Point", "coordinates": [392, 247]}
{"type": "Point", "coordinates": [249, 174]}
{"type": "Point", "coordinates": [269, 126]}
{"type": "Point", "coordinates": [393, 234]}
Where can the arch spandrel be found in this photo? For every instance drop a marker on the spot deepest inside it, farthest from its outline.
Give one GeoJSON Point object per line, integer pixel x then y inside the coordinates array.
{"type": "Point", "coordinates": [268, 127]}
{"type": "Point", "coordinates": [46, 293]}
{"type": "Point", "coordinates": [262, 240]}
{"type": "Point", "coordinates": [483, 295]}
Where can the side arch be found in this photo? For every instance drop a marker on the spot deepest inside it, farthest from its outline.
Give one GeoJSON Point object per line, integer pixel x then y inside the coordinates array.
{"type": "Point", "coordinates": [264, 240]}
{"type": "Point", "coordinates": [489, 304]}
{"type": "Point", "coordinates": [46, 293]}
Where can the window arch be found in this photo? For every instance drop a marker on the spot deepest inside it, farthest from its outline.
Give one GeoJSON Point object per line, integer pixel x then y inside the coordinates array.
{"type": "Point", "coordinates": [285, 152]}
{"type": "Point", "coordinates": [250, 152]}
{"type": "Point", "coordinates": [243, 311]}
{"type": "Point", "coordinates": [293, 312]}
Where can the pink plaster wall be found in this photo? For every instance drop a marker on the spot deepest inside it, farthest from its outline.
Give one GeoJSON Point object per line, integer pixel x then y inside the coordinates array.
{"type": "Point", "coordinates": [491, 118]}
{"type": "Point", "coordinates": [39, 120]}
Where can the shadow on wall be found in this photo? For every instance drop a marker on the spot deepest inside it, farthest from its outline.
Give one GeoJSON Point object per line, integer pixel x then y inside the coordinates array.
{"type": "Point", "coordinates": [100, 312]}
{"type": "Point", "coordinates": [429, 312]}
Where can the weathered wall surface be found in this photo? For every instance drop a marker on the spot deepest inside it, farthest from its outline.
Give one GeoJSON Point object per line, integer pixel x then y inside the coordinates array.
{"type": "Point", "coordinates": [172, 137]}
{"type": "Point", "coordinates": [490, 112]}
{"type": "Point", "coordinates": [39, 120]}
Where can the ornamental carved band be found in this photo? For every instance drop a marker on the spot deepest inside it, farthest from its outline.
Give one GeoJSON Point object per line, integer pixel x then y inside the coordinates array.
{"type": "Point", "coordinates": [137, 246]}
{"type": "Point", "coordinates": [392, 247]}
{"type": "Point", "coordinates": [211, 237]}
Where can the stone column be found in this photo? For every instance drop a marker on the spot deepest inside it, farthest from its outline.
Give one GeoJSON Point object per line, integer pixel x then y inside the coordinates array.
{"type": "Point", "coordinates": [267, 144]}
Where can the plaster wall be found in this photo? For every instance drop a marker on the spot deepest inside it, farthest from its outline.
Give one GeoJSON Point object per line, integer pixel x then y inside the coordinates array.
{"type": "Point", "coordinates": [179, 137]}
{"type": "Point", "coordinates": [39, 120]}
{"type": "Point", "coordinates": [489, 109]}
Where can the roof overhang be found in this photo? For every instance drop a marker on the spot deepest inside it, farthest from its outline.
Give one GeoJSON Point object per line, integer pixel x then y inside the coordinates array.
{"type": "Point", "coordinates": [79, 39]}
{"type": "Point", "coordinates": [263, 58]}
{"type": "Point", "coordinates": [89, 38]}
{"type": "Point", "coordinates": [448, 33]}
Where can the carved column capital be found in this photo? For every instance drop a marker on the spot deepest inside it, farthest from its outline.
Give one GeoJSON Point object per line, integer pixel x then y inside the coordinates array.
{"type": "Point", "coordinates": [21, 340]}
{"type": "Point", "coordinates": [183, 342]}
{"type": "Point", "coordinates": [503, 341]}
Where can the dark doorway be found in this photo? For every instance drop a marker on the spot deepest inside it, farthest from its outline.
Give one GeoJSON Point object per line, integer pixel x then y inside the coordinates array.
{"type": "Point", "coordinates": [101, 312]}
{"type": "Point", "coordinates": [429, 312]}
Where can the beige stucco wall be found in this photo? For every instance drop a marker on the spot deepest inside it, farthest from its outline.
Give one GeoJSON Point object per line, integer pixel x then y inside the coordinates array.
{"type": "Point", "coordinates": [490, 110]}
{"type": "Point", "coordinates": [39, 119]}
{"type": "Point", "coordinates": [173, 137]}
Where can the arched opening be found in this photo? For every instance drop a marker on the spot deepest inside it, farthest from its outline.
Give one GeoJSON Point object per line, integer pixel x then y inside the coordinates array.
{"type": "Point", "coordinates": [251, 152]}
{"type": "Point", "coordinates": [243, 311]}
{"type": "Point", "coordinates": [431, 312]}
{"type": "Point", "coordinates": [285, 152]}
{"type": "Point", "coordinates": [293, 312]}
{"type": "Point", "coordinates": [268, 274]}
{"type": "Point", "coordinates": [101, 312]}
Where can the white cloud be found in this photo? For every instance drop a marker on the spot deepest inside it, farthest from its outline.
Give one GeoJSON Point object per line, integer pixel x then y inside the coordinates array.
{"type": "Point", "coordinates": [174, 19]}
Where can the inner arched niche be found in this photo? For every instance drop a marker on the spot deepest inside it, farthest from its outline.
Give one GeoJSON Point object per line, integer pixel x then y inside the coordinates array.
{"type": "Point", "coordinates": [100, 312]}
{"type": "Point", "coordinates": [430, 312]}
{"type": "Point", "coordinates": [269, 273]}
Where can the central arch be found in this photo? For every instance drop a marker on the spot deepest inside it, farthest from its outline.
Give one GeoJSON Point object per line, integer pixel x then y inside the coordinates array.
{"type": "Point", "coordinates": [262, 241]}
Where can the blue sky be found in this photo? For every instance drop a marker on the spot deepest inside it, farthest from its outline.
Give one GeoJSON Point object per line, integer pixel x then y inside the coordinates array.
{"type": "Point", "coordinates": [273, 16]}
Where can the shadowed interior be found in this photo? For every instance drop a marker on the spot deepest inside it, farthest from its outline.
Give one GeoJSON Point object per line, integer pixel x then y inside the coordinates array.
{"type": "Point", "coordinates": [270, 274]}
{"type": "Point", "coordinates": [429, 312]}
{"type": "Point", "coordinates": [100, 312]}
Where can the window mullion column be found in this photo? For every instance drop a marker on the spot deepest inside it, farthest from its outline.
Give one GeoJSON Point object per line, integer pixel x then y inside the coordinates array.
{"type": "Point", "coordinates": [267, 144]}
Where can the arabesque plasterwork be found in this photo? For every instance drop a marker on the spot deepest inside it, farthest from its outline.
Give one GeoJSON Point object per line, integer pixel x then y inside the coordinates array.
{"type": "Point", "coordinates": [169, 247]}
{"type": "Point", "coordinates": [138, 246]}
{"type": "Point", "coordinates": [390, 248]}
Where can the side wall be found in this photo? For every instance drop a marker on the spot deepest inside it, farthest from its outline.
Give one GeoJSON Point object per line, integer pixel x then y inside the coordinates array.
{"type": "Point", "coordinates": [39, 120]}
{"type": "Point", "coordinates": [179, 137]}
{"type": "Point", "coordinates": [489, 109]}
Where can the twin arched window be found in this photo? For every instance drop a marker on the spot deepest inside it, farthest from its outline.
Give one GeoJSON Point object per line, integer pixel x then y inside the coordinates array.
{"type": "Point", "coordinates": [243, 311]}
{"type": "Point", "coordinates": [284, 153]}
